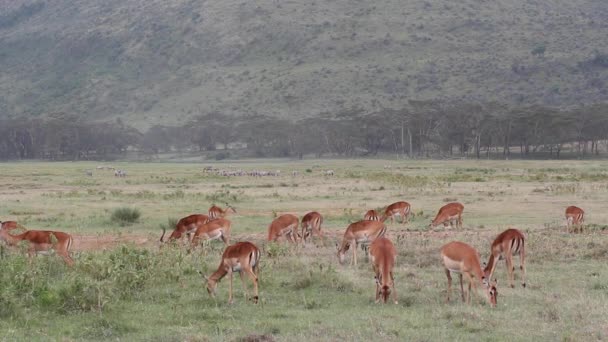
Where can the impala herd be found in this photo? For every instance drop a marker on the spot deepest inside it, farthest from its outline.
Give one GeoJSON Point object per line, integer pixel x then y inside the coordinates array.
{"type": "Point", "coordinates": [369, 233]}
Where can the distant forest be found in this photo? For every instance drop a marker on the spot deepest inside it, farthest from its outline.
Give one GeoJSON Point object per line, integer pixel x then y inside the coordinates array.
{"type": "Point", "coordinates": [425, 129]}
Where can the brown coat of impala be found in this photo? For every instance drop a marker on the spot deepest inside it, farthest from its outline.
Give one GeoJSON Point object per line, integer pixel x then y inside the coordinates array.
{"type": "Point", "coordinates": [575, 217]}
{"type": "Point", "coordinates": [361, 232]}
{"type": "Point", "coordinates": [242, 257]}
{"type": "Point", "coordinates": [401, 209]}
{"type": "Point", "coordinates": [458, 257]}
{"type": "Point", "coordinates": [186, 225]}
{"type": "Point", "coordinates": [383, 256]}
{"type": "Point", "coordinates": [449, 213]}
{"type": "Point", "coordinates": [40, 241]}
{"type": "Point", "coordinates": [371, 215]}
{"type": "Point", "coordinates": [507, 243]}
{"type": "Point", "coordinates": [216, 212]}
{"type": "Point", "coordinates": [212, 230]}
{"type": "Point", "coordinates": [311, 224]}
{"type": "Point", "coordinates": [285, 225]}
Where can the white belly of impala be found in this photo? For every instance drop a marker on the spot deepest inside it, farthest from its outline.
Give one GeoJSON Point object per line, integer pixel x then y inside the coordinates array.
{"type": "Point", "coordinates": [452, 265]}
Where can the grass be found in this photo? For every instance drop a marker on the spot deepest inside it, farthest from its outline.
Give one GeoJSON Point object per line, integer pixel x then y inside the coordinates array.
{"type": "Point", "coordinates": [134, 291]}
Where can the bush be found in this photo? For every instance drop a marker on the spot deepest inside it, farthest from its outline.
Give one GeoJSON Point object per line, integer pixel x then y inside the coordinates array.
{"type": "Point", "coordinates": [126, 215]}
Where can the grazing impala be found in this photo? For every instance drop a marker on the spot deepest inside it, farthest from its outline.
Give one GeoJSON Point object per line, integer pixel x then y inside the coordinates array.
{"type": "Point", "coordinates": [383, 255]}
{"type": "Point", "coordinates": [401, 209]}
{"type": "Point", "coordinates": [463, 259]}
{"type": "Point", "coordinates": [240, 257]}
{"type": "Point", "coordinates": [285, 225]}
{"type": "Point", "coordinates": [39, 241]}
{"type": "Point", "coordinates": [575, 217]}
{"type": "Point", "coordinates": [371, 215]}
{"type": "Point", "coordinates": [9, 225]}
{"type": "Point", "coordinates": [362, 232]}
{"type": "Point", "coordinates": [212, 230]}
{"type": "Point", "coordinates": [507, 243]}
{"type": "Point", "coordinates": [447, 214]}
{"type": "Point", "coordinates": [311, 224]}
{"type": "Point", "coordinates": [186, 225]}
{"type": "Point", "coordinates": [216, 212]}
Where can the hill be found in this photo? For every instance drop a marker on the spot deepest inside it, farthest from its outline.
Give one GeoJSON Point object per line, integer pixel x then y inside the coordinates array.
{"type": "Point", "coordinates": [159, 61]}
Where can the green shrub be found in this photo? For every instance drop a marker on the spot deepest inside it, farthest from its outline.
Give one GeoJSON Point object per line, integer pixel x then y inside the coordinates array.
{"type": "Point", "coordinates": [126, 215]}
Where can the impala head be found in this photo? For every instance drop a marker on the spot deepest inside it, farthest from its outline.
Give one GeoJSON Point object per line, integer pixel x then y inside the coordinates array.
{"type": "Point", "coordinates": [384, 291]}
{"type": "Point", "coordinates": [231, 208]}
{"type": "Point", "coordinates": [342, 251]}
{"type": "Point", "coordinates": [491, 290]}
{"type": "Point", "coordinates": [211, 286]}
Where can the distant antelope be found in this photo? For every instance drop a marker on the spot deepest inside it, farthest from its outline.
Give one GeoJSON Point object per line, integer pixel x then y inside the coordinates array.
{"type": "Point", "coordinates": [39, 241]}
{"type": "Point", "coordinates": [447, 214]}
{"type": "Point", "coordinates": [359, 233]}
{"type": "Point", "coordinates": [575, 217]}
{"type": "Point", "coordinates": [371, 215]}
{"type": "Point", "coordinates": [383, 255]}
{"type": "Point", "coordinates": [401, 209]}
{"type": "Point", "coordinates": [311, 224]}
{"type": "Point", "coordinates": [186, 225]}
{"type": "Point", "coordinates": [217, 212]}
{"type": "Point", "coordinates": [284, 226]}
{"type": "Point", "coordinates": [212, 230]}
{"type": "Point", "coordinates": [458, 257]}
{"type": "Point", "coordinates": [507, 243]}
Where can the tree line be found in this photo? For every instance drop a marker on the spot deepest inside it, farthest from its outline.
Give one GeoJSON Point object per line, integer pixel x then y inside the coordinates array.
{"type": "Point", "coordinates": [425, 129]}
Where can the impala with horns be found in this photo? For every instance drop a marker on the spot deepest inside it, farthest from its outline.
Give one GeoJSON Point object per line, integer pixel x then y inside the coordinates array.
{"type": "Point", "coordinates": [212, 230]}
{"type": "Point", "coordinates": [371, 215]}
{"type": "Point", "coordinates": [216, 212]}
{"type": "Point", "coordinates": [286, 226]}
{"type": "Point", "coordinates": [186, 225]}
{"type": "Point", "coordinates": [507, 243]}
{"type": "Point", "coordinates": [311, 224]}
{"type": "Point", "coordinates": [383, 256]}
{"type": "Point", "coordinates": [39, 241]}
{"type": "Point", "coordinates": [575, 217]}
{"type": "Point", "coordinates": [449, 213]}
{"type": "Point", "coordinates": [400, 209]}
{"type": "Point", "coordinates": [242, 257]}
{"type": "Point", "coordinates": [458, 257]}
{"type": "Point", "coordinates": [359, 233]}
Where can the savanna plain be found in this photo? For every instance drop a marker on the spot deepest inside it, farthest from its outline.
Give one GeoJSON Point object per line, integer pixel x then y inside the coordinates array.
{"type": "Point", "coordinates": [124, 287]}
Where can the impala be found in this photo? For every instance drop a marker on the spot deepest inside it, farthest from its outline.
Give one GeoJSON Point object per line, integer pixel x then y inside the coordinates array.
{"type": "Point", "coordinates": [383, 255]}
{"type": "Point", "coordinates": [240, 257]}
{"type": "Point", "coordinates": [401, 209]}
{"type": "Point", "coordinates": [39, 241]}
{"type": "Point", "coordinates": [359, 233]}
{"type": "Point", "coordinates": [9, 225]}
{"type": "Point", "coordinates": [216, 212]}
{"type": "Point", "coordinates": [371, 215]}
{"type": "Point", "coordinates": [575, 217]}
{"type": "Point", "coordinates": [507, 243]}
{"type": "Point", "coordinates": [186, 225]}
{"type": "Point", "coordinates": [285, 225]}
{"type": "Point", "coordinates": [212, 230]}
{"type": "Point", "coordinates": [463, 259]}
{"type": "Point", "coordinates": [447, 214]}
{"type": "Point", "coordinates": [311, 224]}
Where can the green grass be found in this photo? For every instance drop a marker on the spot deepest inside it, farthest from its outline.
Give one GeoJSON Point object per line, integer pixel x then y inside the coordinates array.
{"type": "Point", "coordinates": [137, 292]}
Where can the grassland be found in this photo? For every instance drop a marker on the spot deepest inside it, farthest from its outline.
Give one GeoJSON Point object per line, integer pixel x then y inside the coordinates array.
{"type": "Point", "coordinates": [123, 287]}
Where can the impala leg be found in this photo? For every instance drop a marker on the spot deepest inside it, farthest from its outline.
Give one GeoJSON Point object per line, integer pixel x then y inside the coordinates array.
{"type": "Point", "coordinates": [355, 254]}
{"type": "Point", "coordinates": [394, 289]}
{"type": "Point", "coordinates": [244, 285]}
{"type": "Point", "coordinates": [522, 265]}
{"type": "Point", "coordinates": [447, 273]}
{"type": "Point", "coordinates": [254, 278]}
{"type": "Point", "coordinates": [461, 288]}
{"type": "Point", "coordinates": [230, 301]}
{"type": "Point", "coordinates": [470, 281]}
{"type": "Point", "coordinates": [510, 267]}
{"type": "Point", "coordinates": [377, 290]}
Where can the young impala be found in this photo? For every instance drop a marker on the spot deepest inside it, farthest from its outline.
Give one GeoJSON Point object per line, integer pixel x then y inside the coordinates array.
{"type": "Point", "coordinates": [286, 226]}
{"type": "Point", "coordinates": [507, 243]}
{"type": "Point", "coordinates": [311, 224]}
{"type": "Point", "coordinates": [401, 209]}
{"type": "Point", "coordinates": [447, 214]}
{"type": "Point", "coordinates": [39, 241]}
{"type": "Point", "coordinates": [463, 259]}
{"type": "Point", "coordinates": [383, 255]}
{"type": "Point", "coordinates": [575, 217]}
{"type": "Point", "coordinates": [186, 225]}
{"type": "Point", "coordinates": [240, 257]}
{"type": "Point", "coordinates": [216, 212]}
{"type": "Point", "coordinates": [359, 233]}
{"type": "Point", "coordinates": [212, 230]}
{"type": "Point", "coordinates": [371, 215]}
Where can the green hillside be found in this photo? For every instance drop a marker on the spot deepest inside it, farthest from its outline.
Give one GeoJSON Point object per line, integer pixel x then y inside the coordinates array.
{"type": "Point", "coordinates": [160, 61]}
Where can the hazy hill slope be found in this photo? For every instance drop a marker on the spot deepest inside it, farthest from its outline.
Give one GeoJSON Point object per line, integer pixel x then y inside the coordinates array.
{"type": "Point", "coordinates": [151, 61]}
